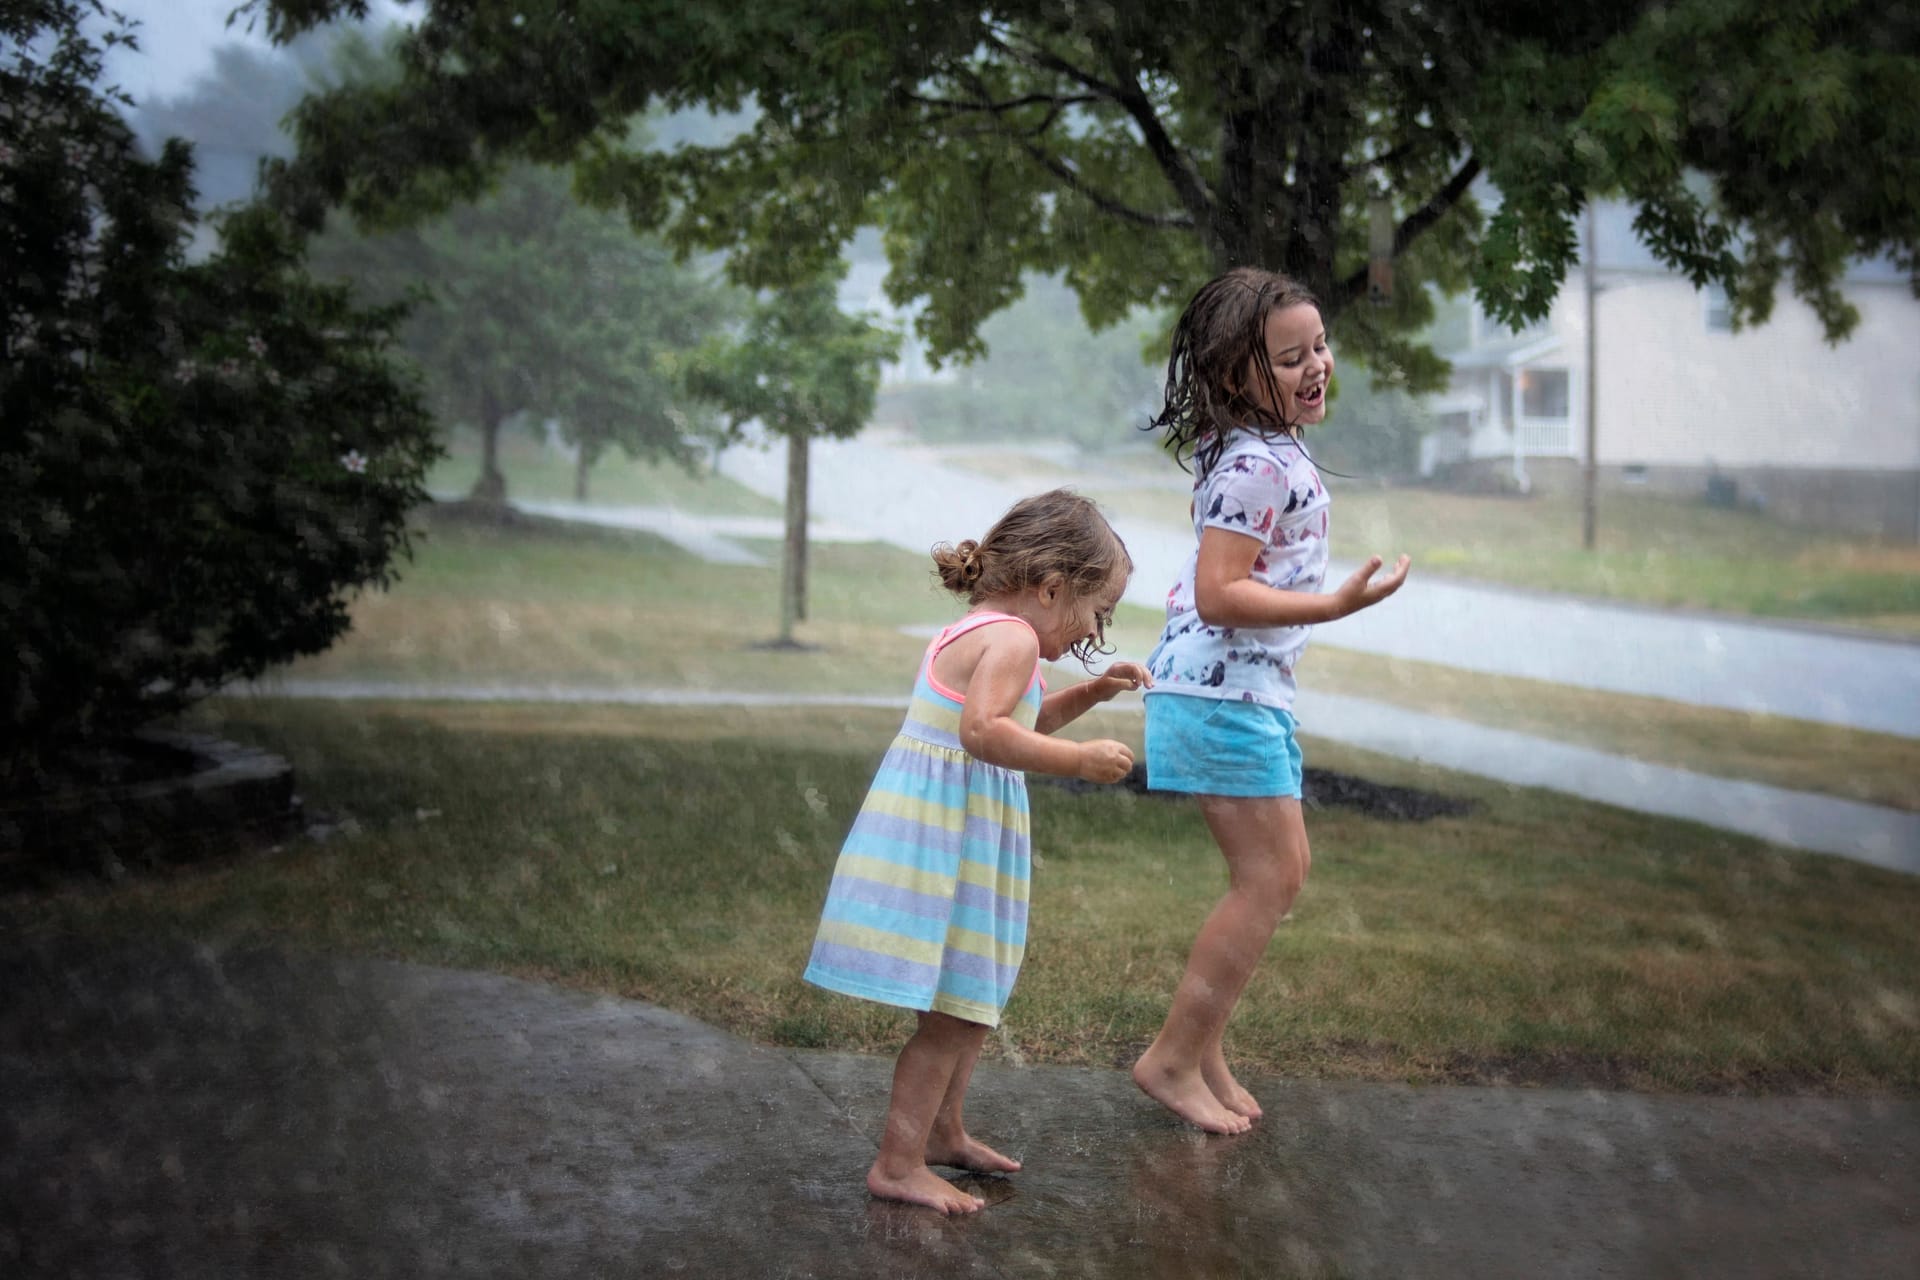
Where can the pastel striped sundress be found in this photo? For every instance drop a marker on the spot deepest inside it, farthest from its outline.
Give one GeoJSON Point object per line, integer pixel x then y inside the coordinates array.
{"type": "Point", "coordinates": [928, 905]}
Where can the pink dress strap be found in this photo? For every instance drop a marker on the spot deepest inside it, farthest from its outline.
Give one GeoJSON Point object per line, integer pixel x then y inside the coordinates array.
{"type": "Point", "coordinates": [973, 622]}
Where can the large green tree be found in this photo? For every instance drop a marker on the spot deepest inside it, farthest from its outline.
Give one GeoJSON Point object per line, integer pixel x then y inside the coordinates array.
{"type": "Point", "coordinates": [799, 368]}
{"type": "Point", "coordinates": [1138, 145]}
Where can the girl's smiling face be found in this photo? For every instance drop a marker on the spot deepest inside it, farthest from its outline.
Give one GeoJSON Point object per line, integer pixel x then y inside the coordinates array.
{"type": "Point", "coordinates": [1300, 364]}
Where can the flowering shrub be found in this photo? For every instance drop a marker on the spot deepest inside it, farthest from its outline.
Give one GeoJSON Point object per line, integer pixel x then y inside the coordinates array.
{"type": "Point", "coordinates": [201, 460]}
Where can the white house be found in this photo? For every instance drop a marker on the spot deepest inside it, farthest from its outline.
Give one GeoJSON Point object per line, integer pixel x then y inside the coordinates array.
{"type": "Point", "coordinates": [1772, 416]}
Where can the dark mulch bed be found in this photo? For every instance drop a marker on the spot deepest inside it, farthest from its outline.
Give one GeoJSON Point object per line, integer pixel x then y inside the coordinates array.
{"type": "Point", "coordinates": [151, 799]}
{"type": "Point", "coordinates": [1322, 787]}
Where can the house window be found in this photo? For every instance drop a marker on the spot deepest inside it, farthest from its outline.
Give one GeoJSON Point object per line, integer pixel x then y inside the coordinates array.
{"type": "Point", "coordinates": [1719, 312]}
{"type": "Point", "coordinates": [1543, 393]}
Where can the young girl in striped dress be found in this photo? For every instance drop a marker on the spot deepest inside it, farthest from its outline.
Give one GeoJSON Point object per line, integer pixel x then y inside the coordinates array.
{"type": "Point", "coordinates": [928, 905]}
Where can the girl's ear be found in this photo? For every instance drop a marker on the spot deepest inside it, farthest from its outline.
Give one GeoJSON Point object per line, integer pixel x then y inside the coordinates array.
{"type": "Point", "coordinates": [1051, 587]}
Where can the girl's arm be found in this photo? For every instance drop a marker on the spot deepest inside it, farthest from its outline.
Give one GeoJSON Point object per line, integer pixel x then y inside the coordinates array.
{"type": "Point", "coordinates": [1225, 595]}
{"type": "Point", "coordinates": [989, 732]}
{"type": "Point", "coordinates": [1064, 706]}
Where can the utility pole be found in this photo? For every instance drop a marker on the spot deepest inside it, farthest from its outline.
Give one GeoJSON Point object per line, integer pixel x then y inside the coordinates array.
{"type": "Point", "coordinates": [1590, 472]}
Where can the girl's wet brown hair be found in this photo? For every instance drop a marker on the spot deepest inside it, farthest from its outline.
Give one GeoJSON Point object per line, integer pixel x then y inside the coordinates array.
{"type": "Point", "coordinates": [1220, 335]}
{"type": "Point", "coordinates": [1054, 532]}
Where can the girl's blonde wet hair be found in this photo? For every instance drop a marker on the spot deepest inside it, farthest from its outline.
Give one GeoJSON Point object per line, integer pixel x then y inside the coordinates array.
{"type": "Point", "coordinates": [1057, 532]}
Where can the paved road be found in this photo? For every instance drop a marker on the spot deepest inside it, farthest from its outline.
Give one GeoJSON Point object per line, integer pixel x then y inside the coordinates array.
{"type": "Point", "coordinates": [903, 495]}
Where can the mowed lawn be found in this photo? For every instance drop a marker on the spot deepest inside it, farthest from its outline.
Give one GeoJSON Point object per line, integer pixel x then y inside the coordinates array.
{"type": "Point", "coordinates": [577, 605]}
{"type": "Point", "coordinates": [551, 604]}
{"type": "Point", "coordinates": [681, 855]}
{"type": "Point", "coordinates": [1651, 550]}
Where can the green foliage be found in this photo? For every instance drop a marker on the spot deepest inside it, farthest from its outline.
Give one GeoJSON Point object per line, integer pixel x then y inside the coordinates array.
{"type": "Point", "coordinates": [1136, 147]}
{"type": "Point", "coordinates": [529, 303]}
{"type": "Point", "coordinates": [1758, 140]}
{"type": "Point", "coordinates": [801, 368]}
{"type": "Point", "coordinates": [1044, 376]}
{"type": "Point", "coordinates": [201, 460]}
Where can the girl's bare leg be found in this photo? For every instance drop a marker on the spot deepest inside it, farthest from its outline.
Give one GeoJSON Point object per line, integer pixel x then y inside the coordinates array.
{"type": "Point", "coordinates": [921, 1079]}
{"type": "Point", "coordinates": [1265, 843]}
{"type": "Point", "coordinates": [950, 1143]}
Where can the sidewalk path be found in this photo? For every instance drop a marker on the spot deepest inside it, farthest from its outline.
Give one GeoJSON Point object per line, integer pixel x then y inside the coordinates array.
{"type": "Point", "coordinates": [1867, 833]}
{"type": "Point", "coordinates": [205, 1110]}
{"type": "Point", "coordinates": [1802, 820]}
{"type": "Point", "coordinates": [906, 496]}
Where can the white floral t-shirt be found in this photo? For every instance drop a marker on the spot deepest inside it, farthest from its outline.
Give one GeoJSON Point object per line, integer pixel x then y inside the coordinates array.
{"type": "Point", "coordinates": [1268, 490]}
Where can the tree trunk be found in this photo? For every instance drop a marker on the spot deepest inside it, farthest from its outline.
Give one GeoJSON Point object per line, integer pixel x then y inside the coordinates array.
{"type": "Point", "coordinates": [582, 464]}
{"type": "Point", "coordinates": [1323, 136]}
{"type": "Point", "coordinates": [1283, 164]}
{"type": "Point", "coordinates": [801, 480]}
{"type": "Point", "coordinates": [793, 584]}
{"type": "Point", "coordinates": [491, 486]}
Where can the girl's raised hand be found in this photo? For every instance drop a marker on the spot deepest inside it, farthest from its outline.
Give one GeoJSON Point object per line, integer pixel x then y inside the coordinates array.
{"type": "Point", "coordinates": [1122, 676]}
{"type": "Point", "coordinates": [1360, 590]}
{"type": "Point", "coordinates": [1104, 760]}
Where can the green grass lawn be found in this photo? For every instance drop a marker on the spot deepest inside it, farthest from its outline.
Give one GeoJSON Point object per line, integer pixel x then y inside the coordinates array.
{"type": "Point", "coordinates": [1651, 550]}
{"type": "Point", "coordinates": [681, 856]}
{"type": "Point", "coordinates": [578, 605]}
{"type": "Point", "coordinates": [575, 605]}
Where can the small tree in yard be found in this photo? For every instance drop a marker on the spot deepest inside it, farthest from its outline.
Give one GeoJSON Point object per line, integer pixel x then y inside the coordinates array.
{"type": "Point", "coordinates": [200, 460]}
{"type": "Point", "coordinates": [803, 368]}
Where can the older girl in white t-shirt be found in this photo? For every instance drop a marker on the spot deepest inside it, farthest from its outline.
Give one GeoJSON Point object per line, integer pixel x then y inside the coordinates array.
{"type": "Point", "coordinates": [1250, 368]}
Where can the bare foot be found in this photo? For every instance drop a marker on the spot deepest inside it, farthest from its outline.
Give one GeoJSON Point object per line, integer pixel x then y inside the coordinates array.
{"type": "Point", "coordinates": [1185, 1093]}
{"type": "Point", "coordinates": [969, 1153]}
{"type": "Point", "coordinates": [1231, 1095]}
{"type": "Point", "coordinates": [923, 1186]}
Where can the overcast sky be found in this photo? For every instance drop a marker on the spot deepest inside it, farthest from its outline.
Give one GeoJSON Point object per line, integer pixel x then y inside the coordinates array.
{"type": "Point", "coordinates": [177, 38]}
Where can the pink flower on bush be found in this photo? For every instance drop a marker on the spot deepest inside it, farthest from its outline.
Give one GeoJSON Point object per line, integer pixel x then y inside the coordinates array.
{"type": "Point", "coordinates": [354, 461]}
{"type": "Point", "coordinates": [256, 345]}
{"type": "Point", "coordinates": [185, 372]}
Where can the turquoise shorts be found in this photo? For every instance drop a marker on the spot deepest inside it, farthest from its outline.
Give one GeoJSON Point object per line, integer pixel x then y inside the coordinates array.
{"type": "Point", "coordinates": [1221, 747]}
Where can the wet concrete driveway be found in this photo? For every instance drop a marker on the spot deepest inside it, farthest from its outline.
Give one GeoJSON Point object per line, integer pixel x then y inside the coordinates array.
{"type": "Point", "coordinates": [173, 1110]}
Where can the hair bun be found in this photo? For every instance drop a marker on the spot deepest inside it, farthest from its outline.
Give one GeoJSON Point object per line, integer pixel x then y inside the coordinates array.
{"type": "Point", "coordinates": [960, 567]}
{"type": "Point", "coordinates": [970, 566]}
